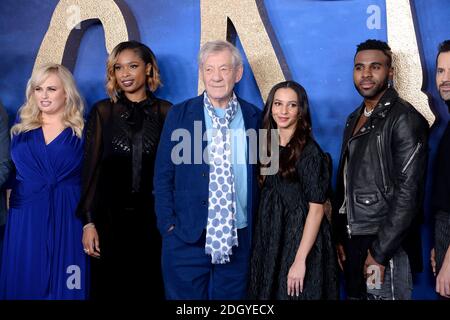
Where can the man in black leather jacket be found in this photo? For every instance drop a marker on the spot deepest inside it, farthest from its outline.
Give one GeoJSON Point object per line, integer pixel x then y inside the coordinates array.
{"type": "Point", "coordinates": [377, 208]}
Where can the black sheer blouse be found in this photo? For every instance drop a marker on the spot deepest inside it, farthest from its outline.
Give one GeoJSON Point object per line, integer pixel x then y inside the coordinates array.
{"type": "Point", "coordinates": [121, 140]}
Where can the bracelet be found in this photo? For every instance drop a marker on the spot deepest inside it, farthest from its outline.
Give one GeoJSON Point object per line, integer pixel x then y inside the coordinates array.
{"type": "Point", "coordinates": [89, 225]}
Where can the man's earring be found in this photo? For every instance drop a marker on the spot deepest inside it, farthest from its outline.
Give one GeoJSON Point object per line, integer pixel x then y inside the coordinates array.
{"type": "Point", "coordinates": [390, 83]}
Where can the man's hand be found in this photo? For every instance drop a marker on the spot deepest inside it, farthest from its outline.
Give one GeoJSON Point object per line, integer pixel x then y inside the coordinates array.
{"type": "Point", "coordinates": [341, 255]}
{"type": "Point", "coordinates": [370, 261]}
{"type": "Point", "coordinates": [433, 261]}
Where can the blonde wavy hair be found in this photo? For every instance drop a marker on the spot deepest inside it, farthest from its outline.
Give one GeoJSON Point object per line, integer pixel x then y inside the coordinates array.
{"type": "Point", "coordinates": [29, 114]}
{"type": "Point", "coordinates": [144, 52]}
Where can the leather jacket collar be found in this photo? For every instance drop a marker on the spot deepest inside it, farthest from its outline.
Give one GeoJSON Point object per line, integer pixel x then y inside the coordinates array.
{"type": "Point", "coordinates": [383, 106]}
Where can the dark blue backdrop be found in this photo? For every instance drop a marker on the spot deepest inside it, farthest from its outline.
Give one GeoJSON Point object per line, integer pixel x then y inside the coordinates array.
{"type": "Point", "coordinates": [318, 39]}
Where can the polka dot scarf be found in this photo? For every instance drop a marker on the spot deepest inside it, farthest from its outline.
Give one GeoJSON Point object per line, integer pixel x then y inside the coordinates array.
{"type": "Point", "coordinates": [221, 234]}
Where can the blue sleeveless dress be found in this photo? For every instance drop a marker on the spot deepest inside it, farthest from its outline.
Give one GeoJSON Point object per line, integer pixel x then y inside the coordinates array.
{"type": "Point", "coordinates": [43, 255]}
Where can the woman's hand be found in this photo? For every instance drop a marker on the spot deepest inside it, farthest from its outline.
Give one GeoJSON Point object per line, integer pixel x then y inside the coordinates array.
{"type": "Point", "coordinates": [295, 277]}
{"type": "Point", "coordinates": [90, 241]}
{"type": "Point", "coordinates": [443, 278]}
{"type": "Point", "coordinates": [433, 261]}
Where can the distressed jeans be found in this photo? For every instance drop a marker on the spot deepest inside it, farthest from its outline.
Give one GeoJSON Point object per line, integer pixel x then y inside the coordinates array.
{"type": "Point", "coordinates": [397, 283]}
{"type": "Point", "coordinates": [398, 269]}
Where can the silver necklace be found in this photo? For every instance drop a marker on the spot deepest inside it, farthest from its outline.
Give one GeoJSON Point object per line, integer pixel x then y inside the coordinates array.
{"type": "Point", "coordinates": [368, 113]}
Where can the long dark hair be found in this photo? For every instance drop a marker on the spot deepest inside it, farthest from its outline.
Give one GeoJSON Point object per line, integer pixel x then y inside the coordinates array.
{"type": "Point", "coordinates": [302, 129]}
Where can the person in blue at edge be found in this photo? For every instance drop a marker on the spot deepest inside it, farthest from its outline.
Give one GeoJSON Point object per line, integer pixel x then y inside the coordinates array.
{"type": "Point", "coordinates": [43, 256]}
{"type": "Point", "coordinates": [5, 168]}
{"type": "Point", "coordinates": [440, 202]}
{"type": "Point", "coordinates": [205, 208]}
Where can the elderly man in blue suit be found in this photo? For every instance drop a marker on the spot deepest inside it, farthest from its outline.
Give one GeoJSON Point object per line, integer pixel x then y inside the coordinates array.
{"type": "Point", "coordinates": [5, 167]}
{"type": "Point", "coordinates": [205, 184]}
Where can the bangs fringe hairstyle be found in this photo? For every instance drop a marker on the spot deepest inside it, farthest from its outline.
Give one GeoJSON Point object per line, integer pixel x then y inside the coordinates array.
{"type": "Point", "coordinates": [144, 52]}
{"type": "Point", "coordinates": [30, 117]}
{"type": "Point", "coordinates": [302, 132]}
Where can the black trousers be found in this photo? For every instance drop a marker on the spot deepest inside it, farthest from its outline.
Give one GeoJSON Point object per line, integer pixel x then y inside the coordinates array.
{"type": "Point", "coordinates": [356, 254]}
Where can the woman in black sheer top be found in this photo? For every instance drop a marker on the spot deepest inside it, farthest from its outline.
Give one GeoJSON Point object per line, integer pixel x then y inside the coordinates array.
{"type": "Point", "coordinates": [122, 135]}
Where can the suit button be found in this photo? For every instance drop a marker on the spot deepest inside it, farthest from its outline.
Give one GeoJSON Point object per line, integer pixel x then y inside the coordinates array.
{"type": "Point", "coordinates": [204, 202]}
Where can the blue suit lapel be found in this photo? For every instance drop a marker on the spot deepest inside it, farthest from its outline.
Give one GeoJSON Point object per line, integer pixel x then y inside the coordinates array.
{"type": "Point", "coordinates": [251, 122]}
{"type": "Point", "coordinates": [249, 114]}
{"type": "Point", "coordinates": [196, 113]}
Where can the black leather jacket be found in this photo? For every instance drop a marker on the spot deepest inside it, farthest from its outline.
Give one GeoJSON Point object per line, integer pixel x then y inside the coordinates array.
{"type": "Point", "coordinates": [386, 168]}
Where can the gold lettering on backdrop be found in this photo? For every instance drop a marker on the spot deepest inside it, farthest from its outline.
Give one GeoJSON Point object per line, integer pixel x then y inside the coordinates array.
{"type": "Point", "coordinates": [248, 19]}
{"type": "Point", "coordinates": [408, 75]}
{"type": "Point", "coordinates": [72, 17]}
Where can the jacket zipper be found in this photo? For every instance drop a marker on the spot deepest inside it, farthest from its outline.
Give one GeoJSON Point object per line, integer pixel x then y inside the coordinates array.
{"type": "Point", "coordinates": [349, 231]}
{"type": "Point", "coordinates": [348, 207]}
{"type": "Point", "coordinates": [380, 157]}
{"type": "Point", "coordinates": [411, 158]}
{"type": "Point", "coordinates": [391, 264]}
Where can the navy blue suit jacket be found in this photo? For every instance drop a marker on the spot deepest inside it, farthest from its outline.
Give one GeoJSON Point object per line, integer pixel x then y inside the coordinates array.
{"type": "Point", "coordinates": [181, 190]}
